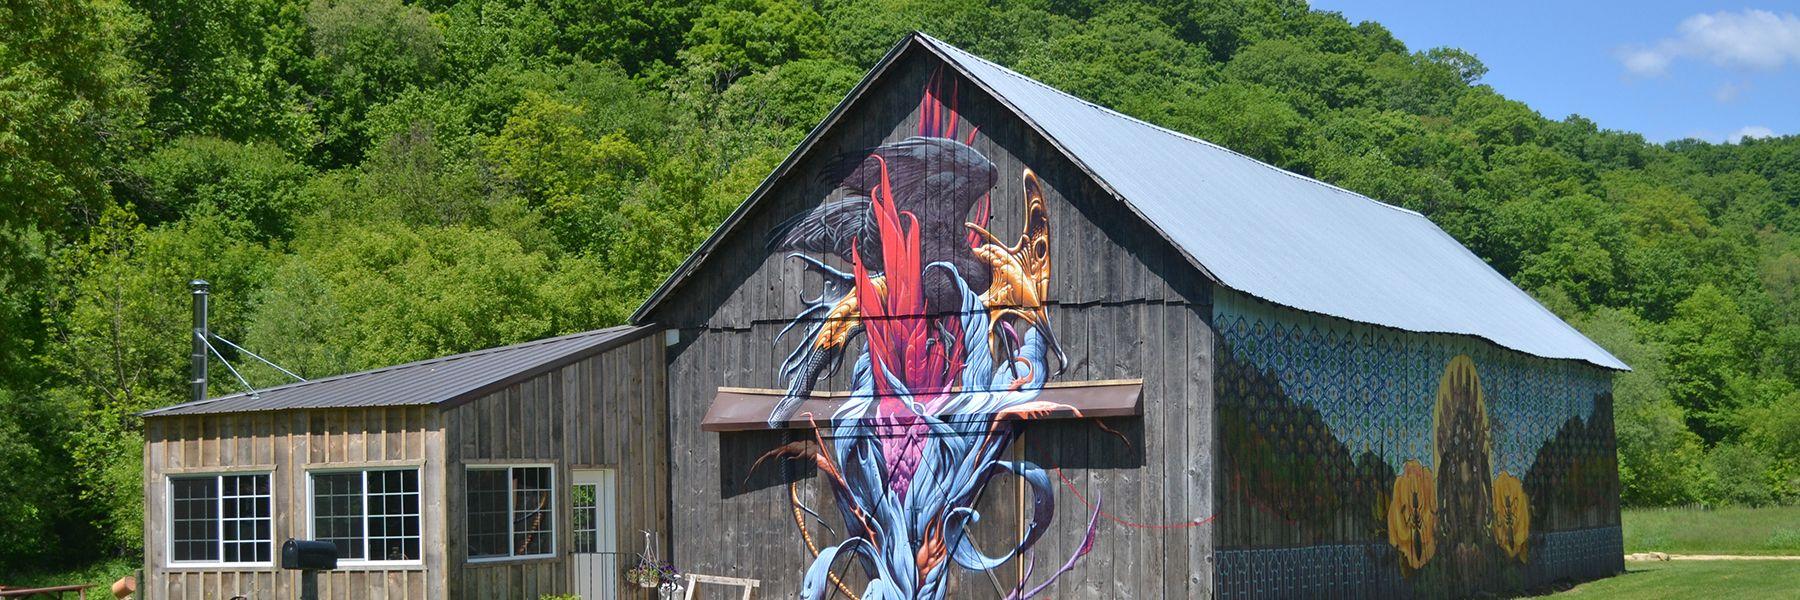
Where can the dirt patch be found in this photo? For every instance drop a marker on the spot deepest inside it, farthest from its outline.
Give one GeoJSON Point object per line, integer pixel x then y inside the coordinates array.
{"type": "Point", "coordinates": [1661, 556]}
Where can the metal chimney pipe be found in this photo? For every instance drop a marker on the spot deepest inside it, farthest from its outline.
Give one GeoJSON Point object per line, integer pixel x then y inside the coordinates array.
{"type": "Point", "coordinates": [198, 358]}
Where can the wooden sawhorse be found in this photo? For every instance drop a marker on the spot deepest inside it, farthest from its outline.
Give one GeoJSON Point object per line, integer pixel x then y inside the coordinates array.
{"type": "Point", "coordinates": [694, 580]}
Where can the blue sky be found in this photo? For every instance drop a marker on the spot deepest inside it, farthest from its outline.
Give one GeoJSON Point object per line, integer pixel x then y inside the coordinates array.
{"type": "Point", "coordinates": [1668, 70]}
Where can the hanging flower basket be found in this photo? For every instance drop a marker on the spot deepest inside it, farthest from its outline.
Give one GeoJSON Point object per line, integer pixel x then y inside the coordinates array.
{"type": "Point", "coordinates": [650, 573]}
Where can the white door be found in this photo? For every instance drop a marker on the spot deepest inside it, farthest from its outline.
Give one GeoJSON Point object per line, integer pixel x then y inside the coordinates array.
{"type": "Point", "coordinates": [598, 569]}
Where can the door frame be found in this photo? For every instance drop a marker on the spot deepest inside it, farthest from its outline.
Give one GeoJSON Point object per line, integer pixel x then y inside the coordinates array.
{"type": "Point", "coordinates": [596, 575]}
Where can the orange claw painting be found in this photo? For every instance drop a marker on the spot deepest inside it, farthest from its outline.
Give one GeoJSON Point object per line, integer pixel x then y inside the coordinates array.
{"type": "Point", "coordinates": [1512, 516]}
{"type": "Point", "coordinates": [1412, 516]}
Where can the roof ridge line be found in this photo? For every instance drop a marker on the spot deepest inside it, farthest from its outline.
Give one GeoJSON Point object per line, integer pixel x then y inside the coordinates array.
{"type": "Point", "coordinates": [1183, 136]}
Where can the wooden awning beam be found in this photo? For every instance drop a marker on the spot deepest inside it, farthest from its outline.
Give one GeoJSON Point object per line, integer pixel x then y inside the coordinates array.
{"type": "Point", "coordinates": [747, 409]}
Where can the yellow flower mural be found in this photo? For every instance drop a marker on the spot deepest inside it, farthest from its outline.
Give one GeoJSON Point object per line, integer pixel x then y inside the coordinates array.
{"type": "Point", "coordinates": [1412, 516]}
{"type": "Point", "coordinates": [1512, 516]}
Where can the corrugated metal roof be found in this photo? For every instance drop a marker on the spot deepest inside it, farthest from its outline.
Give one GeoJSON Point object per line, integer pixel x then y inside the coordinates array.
{"type": "Point", "coordinates": [430, 381]}
{"type": "Point", "coordinates": [1283, 237]}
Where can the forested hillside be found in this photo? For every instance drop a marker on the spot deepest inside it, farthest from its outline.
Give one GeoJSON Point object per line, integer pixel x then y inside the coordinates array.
{"type": "Point", "coordinates": [367, 182]}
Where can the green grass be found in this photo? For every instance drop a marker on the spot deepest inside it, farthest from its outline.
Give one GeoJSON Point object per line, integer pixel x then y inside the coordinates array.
{"type": "Point", "coordinates": [1685, 579]}
{"type": "Point", "coordinates": [1759, 531]}
{"type": "Point", "coordinates": [101, 573]}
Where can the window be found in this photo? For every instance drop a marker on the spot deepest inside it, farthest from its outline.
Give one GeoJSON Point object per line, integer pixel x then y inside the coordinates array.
{"type": "Point", "coordinates": [220, 519]}
{"type": "Point", "coordinates": [511, 512]}
{"type": "Point", "coordinates": [585, 509]}
{"type": "Point", "coordinates": [371, 516]}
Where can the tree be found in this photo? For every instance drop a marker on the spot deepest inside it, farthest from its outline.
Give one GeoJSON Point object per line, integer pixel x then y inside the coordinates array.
{"type": "Point", "coordinates": [1660, 459]}
{"type": "Point", "coordinates": [69, 104]}
{"type": "Point", "coordinates": [235, 69]}
{"type": "Point", "coordinates": [362, 296]}
{"type": "Point", "coordinates": [1706, 361]}
{"type": "Point", "coordinates": [120, 336]}
{"type": "Point", "coordinates": [367, 51]}
{"type": "Point", "coordinates": [734, 38]}
{"type": "Point", "coordinates": [1248, 118]}
{"type": "Point", "coordinates": [576, 176]}
{"type": "Point", "coordinates": [254, 183]}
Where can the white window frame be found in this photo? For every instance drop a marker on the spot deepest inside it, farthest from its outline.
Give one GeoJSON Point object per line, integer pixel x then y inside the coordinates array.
{"type": "Point", "coordinates": [311, 521]}
{"type": "Point", "coordinates": [510, 510]}
{"type": "Point", "coordinates": [218, 478]}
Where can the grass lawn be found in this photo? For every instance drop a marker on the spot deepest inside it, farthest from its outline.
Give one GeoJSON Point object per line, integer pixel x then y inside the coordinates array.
{"type": "Point", "coordinates": [1684, 579]}
{"type": "Point", "coordinates": [1720, 531]}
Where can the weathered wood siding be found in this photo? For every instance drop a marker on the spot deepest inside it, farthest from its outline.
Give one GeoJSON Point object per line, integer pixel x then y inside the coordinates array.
{"type": "Point", "coordinates": [287, 444]}
{"type": "Point", "coordinates": [605, 411]}
{"type": "Point", "coordinates": [1124, 305]}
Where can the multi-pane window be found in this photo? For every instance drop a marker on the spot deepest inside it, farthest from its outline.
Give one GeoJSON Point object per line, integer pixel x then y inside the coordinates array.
{"type": "Point", "coordinates": [511, 512]}
{"type": "Point", "coordinates": [369, 515]}
{"type": "Point", "coordinates": [220, 519]}
{"type": "Point", "coordinates": [337, 513]}
{"type": "Point", "coordinates": [194, 514]}
{"type": "Point", "coordinates": [488, 513]}
{"type": "Point", "coordinates": [585, 517]}
{"type": "Point", "coordinates": [531, 515]}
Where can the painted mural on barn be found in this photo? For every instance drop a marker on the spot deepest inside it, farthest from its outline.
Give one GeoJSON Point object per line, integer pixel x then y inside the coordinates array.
{"type": "Point", "coordinates": [947, 335]}
{"type": "Point", "coordinates": [1363, 461]}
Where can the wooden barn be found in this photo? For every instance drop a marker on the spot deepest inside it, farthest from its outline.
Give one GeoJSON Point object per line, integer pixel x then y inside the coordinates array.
{"type": "Point", "coordinates": [975, 337]}
{"type": "Point", "coordinates": [1000, 339]}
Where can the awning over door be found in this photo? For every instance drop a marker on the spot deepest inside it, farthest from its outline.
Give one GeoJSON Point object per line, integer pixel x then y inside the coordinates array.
{"type": "Point", "coordinates": [747, 409]}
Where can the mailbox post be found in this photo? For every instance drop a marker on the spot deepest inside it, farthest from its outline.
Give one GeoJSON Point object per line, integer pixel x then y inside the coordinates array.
{"type": "Point", "coordinates": [308, 557]}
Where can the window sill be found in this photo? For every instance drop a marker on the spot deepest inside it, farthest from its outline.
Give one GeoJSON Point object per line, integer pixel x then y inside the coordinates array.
{"type": "Point", "coordinates": [529, 558]}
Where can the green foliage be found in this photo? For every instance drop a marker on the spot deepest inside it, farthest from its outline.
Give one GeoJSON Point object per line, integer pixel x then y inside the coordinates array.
{"type": "Point", "coordinates": [122, 324]}
{"type": "Point", "coordinates": [373, 295]}
{"type": "Point", "coordinates": [1248, 118]}
{"type": "Point", "coordinates": [236, 69]}
{"type": "Point", "coordinates": [736, 37]}
{"type": "Point", "coordinates": [257, 184]}
{"type": "Point", "coordinates": [25, 511]}
{"type": "Point", "coordinates": [374, 181]}
{"type": "Point", "coordinates": [1704, 339]}
{"type": "Point", "coordinates": [366, 51]}
{"type": "Point", "coordinates": [1660, 459]}
{"type": "Point", "coordinates": [1739, 474]}
{"type": "Point", "coordinates": [66, 99]}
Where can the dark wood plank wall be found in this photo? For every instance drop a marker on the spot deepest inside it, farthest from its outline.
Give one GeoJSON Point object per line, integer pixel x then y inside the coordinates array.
{"type": "Point", "coordinates": [287, 444]}
{"type": "Point", "coordinates": [606, 411]}
{"type": "Point", "coordinates": [1126, 305]}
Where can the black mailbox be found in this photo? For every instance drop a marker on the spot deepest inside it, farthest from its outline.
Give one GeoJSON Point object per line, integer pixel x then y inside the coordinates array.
{"type": "Point", "coordinates": [308, 555]}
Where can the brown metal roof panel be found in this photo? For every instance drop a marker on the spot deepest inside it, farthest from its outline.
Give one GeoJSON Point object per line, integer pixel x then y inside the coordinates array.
{"type": "Point", "coordinates": [428, 381]}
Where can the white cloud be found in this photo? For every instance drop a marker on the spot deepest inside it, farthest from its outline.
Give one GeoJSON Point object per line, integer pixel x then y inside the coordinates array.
{"type": "Point", "coordinates": [1752, 39]}
{"type": "Point", "coordinates": [1645, 62]}
{"type": "Point", "coordinates": [1750, 131]}
{"type": "Point", "coordinates": [1730, 91]}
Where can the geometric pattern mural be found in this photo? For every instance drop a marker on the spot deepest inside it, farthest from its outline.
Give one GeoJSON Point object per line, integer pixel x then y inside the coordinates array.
{"type": "Point", "coordinates": [1374, 385]}
{"type": "Point", "coordinates": [1360, 460]}
{"type": "Point", "coordinates": [1357, 570]}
